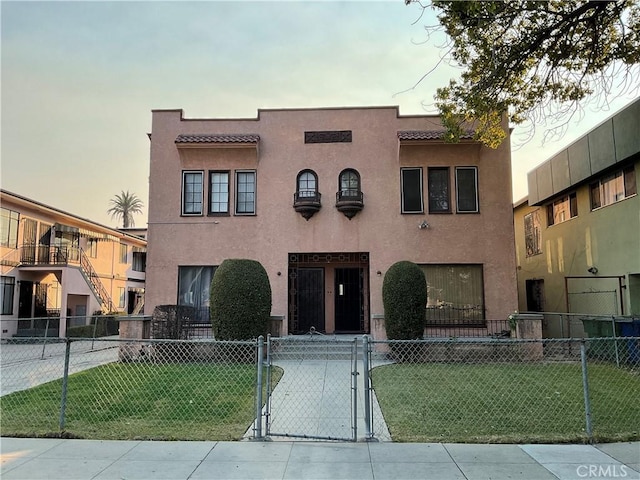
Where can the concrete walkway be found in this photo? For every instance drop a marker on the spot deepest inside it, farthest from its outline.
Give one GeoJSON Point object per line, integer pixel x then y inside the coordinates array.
{"type": "Point", "coordinates": [57, 459]}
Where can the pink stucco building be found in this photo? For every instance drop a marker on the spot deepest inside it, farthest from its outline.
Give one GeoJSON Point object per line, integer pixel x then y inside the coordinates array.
{"type": "Point", "coordinates": [327, 200]}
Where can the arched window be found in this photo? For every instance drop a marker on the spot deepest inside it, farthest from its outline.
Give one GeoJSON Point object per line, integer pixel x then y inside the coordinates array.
{"type": "Point", "coordinates": [307, 184]}
{"type": "Point", "coordinates": [349, 183]}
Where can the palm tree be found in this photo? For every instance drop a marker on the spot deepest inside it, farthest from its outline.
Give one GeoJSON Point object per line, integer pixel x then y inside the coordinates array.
{"type": "Point", "coordinates": [124, 205]}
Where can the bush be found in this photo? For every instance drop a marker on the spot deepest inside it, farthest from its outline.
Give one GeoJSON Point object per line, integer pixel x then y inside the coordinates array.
{"type": "Point", "coordinates": [240, 300]}
{"type": "Point", "coordinates": [404, 296]}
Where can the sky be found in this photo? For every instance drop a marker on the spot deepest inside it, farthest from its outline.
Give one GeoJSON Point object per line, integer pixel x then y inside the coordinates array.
{"type": "Point", "coordinates": [80, 79]}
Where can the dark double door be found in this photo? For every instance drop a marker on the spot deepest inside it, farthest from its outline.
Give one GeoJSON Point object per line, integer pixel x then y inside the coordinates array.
{"type": "Point", "coordinates": [310, 303]}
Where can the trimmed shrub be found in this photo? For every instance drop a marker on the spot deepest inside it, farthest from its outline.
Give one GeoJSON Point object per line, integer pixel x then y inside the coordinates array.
{"type": "Point", "coordinates": [404, 296]}
{"type": "Point", "coordinates": [240, 300]}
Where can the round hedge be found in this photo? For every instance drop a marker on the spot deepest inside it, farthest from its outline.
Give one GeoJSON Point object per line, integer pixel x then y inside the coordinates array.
{"type": "Point", "coordinates": [240, 300]}
{"type": "Point", "coordinates": [404, 296]}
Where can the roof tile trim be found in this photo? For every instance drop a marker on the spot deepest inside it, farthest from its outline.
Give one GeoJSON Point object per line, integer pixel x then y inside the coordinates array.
{"type": "Point", "coordinates": [219, 138]}
{"type": "Point", "coordinates": [430, 135]}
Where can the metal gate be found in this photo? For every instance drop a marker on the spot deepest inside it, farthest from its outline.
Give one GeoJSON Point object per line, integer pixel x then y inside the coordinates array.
{"type": "Point", "coordinates": [316, 397]}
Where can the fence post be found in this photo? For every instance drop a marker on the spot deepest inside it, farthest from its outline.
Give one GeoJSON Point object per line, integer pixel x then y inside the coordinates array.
{"type": "Point", "coordinates": [354, 388]}
{"type": "Point", "coordinates": [585, 387]}
{"type": "Point", "coordinates": [257, 432]}
{"type": "Point", "coordinates": [267, 403]}
{"type": "Point", "coordinates": [368, 430]}
{"type": "Point", "coordinates": [44, 343]}
{"type": "Point", "coordinates": [65, 381]}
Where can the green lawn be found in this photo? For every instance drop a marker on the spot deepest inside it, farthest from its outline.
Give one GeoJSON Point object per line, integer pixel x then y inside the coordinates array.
{"type": "Point", "coordinates": [506, 403]}
{"type": "Point", "coordinates": [140, 401]}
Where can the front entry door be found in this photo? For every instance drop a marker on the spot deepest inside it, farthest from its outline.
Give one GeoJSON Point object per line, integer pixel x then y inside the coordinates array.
{"type": "Point", "coordinates": [309, 299]}
{"type": "Point", "coordinates": [26, 299]}
{"type": "Point", "coordinates": [348, 299]}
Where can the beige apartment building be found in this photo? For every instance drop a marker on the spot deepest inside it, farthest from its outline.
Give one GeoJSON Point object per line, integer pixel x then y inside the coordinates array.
{"type": "Point", "coordinates": [327, 200]}
{"type": "Point", "coordinates": [59, 267]}
{"type": "Point", "coordinates": [578, 231]}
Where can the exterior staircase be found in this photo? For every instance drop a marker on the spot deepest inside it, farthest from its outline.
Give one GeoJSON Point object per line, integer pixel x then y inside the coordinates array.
{"type": "Point", "coordinates": [93, 280]}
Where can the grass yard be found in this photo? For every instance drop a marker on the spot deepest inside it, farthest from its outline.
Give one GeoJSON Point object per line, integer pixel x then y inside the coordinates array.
{"type": "Point", "coordinates": [506, 403]}
{"type": "Point", "coordinates": [140, 401]}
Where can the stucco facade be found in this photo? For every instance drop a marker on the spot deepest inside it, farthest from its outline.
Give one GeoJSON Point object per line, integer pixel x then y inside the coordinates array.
{"type": "Point", "coordinates": [326, 269]}
{"type": "Point", "coordinates": [58, 265]}
{"type": "Point", "coordinates": [578, 233]}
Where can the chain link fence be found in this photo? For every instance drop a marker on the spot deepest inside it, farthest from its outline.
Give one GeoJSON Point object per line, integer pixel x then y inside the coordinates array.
{"type": "Point", "coordinates": [507, 390]}
{"type": "Point", "coordinates": [114, 389]}
{"type": "Point", "coordinates": [438, 389]}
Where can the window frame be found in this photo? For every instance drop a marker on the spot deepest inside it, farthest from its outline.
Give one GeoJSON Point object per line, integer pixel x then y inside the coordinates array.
{"type": "Point", "coordinates": [122, 297]}
{"type": "Point", "coordinates": [238, 193]}
{"type": "Point", "coordinates": [92, 248]}
{"type": "Point", "coordinates": [198, 300]}
{"type": "Point", "coordinates": [625, 176]}
{"type": "Point", "coordinates": [349, 190]}
{"type": "Point", "coordinates": [184, 193]}
{"type": "Point", "coordinates": [212, 193]}
{"type": "Point", "coordinates": [10, 221]}
{"type": "Point", "coordinates": [139, 261]}
{"type": "Point", "coordinates": [571, 199]}
{"type": "Point", "coordinates": [123, 253]}
{"type": "Point", "coordinates": [306, 192]}
{"type": "Point", "coordinates": [476, 196]}
{"type": "Point", "coordinates": [430, 194]}
{"type": "Point", "coordinates": [403, 191]}
{"type": "Point", "coordinates": [533, 234]}
{"type": "Point", "coordinates": [8, 287]}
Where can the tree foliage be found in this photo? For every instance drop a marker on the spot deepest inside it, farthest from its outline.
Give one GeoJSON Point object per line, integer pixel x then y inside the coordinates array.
{"type": "Point", "coordinates": [123, 206]}
{"type": "Point", "coordinates": [533, 60]}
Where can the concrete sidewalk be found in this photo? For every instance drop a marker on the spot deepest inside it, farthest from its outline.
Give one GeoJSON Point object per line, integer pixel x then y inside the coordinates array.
{"type": "Point", "coordinates": [32, 459]}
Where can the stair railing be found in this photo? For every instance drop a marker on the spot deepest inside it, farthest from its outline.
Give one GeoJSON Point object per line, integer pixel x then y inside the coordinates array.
{"type": "Point", "coordinates": [94, 281]}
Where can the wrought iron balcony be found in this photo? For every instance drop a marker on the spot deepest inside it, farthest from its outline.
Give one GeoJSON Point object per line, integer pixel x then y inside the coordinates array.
{"type": "Point", "coordinates": [349, 202]}
{"type": "Point", "coordinates": [306, 203]}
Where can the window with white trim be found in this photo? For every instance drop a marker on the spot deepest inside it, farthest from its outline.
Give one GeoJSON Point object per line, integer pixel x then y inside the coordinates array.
{"type": "Point", "coordinates": [192, 192]}
{"type": "Point", "coordinates": [245, 192]}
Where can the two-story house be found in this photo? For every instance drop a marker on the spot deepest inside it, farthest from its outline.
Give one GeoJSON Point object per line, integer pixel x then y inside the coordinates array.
{"type": "Point", "coordinates": [578, 232]}
{"type": "Point", "coordinates": [327, 200]}
{"type": "Point", "coordinates": [64, 268]}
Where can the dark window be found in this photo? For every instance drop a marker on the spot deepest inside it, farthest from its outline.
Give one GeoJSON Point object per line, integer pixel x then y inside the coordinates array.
{"type": "Point", "coordinates": [219, 193]}
{"type": "Point", "coordinates": [411, 190]}
{"type": "Point", "coordinates": [192, 193]}
{"type": "Point", "coordinates": [245, 192]}
{"type": "Point", "coordinates": [439, 200]}
{"type": "Point", "coordinates": [139, 263]}
{"type": "Point", "coordinates": [307, 184]}
{"type": "Point", "coordinates": [349, 183]}
{"type": "Point", "coordinates": [9, 228]}
{"type": "Point", "coordinates": [8, 288]}
{"type": "Point", "coordinates": [467, 190]}
{"type": "Point", "coordinates": [123, 253]}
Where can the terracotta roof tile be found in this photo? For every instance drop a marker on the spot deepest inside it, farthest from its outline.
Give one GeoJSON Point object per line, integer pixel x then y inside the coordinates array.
{"type": "Point", "coordinates": [430, 135]}
{"type": "Point", "coordinates": [219, 138]}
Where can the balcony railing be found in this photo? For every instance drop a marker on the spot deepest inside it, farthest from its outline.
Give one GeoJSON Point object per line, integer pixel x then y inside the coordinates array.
{"type": "Point", "coordinates": [306, 203]}
{"type": "Point", "coordinates": [349, 202]}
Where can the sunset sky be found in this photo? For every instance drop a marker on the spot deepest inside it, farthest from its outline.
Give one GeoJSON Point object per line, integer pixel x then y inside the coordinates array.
{"type": "Point", "coordinates": [79, 81]}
